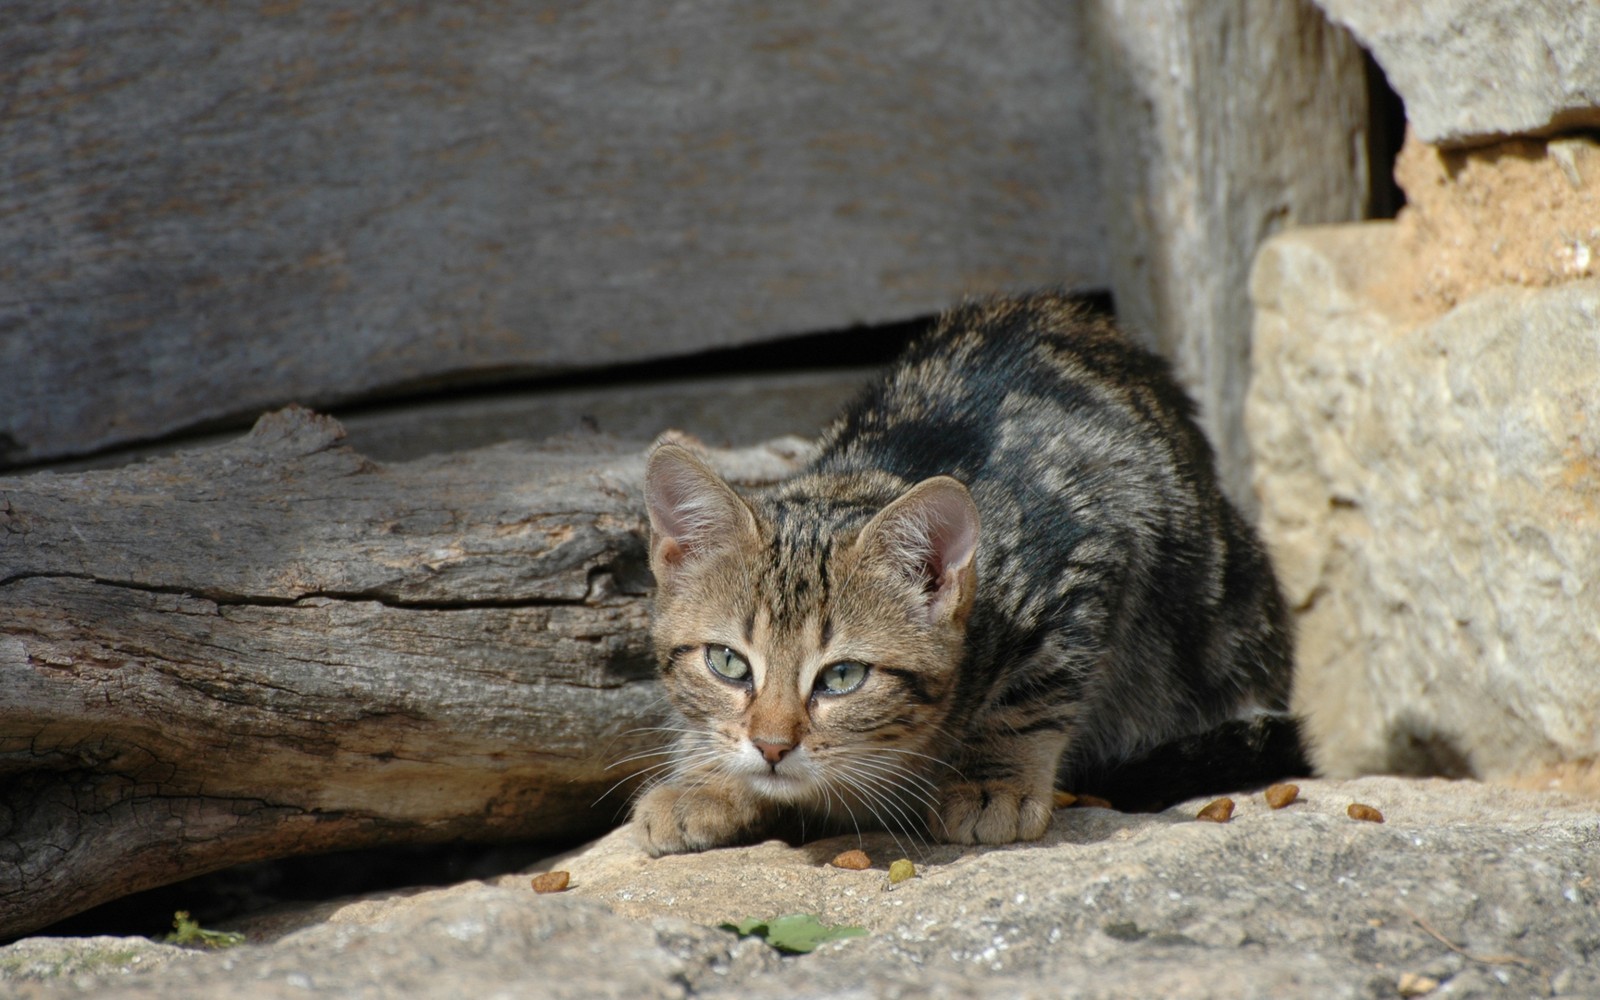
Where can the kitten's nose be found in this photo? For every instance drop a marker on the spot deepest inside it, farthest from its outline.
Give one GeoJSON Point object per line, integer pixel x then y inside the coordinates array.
{"type": "Point", "coordinates": [773, 752]}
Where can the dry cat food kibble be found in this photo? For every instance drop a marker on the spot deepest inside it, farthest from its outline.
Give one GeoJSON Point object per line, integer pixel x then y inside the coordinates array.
{"type": "Point", "coordinates": [1279, 796]}
{"type": "Point", "coordinates": [902, 870]}
{"type": "Point", "coordinates": [854, 860]}
{"type": "Point", "coordinates": [1064, 799]}
{"type": "Point", "coordinates": [1219, 811]}
{"type": "Point", "coordinates": [551, 881]}
{"type": "Point", "coordinates": [1359, 810]}
{"type": "Point", "coordinates": [1091, 802]}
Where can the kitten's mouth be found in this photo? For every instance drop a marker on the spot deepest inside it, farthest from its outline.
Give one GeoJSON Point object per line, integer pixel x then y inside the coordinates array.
{"type": "Point", "coordinates": [779, 785]}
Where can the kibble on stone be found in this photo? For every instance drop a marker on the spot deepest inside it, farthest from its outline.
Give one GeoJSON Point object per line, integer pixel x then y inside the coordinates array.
{"type": "Point", "coordinates": [1279, 796]}
{"type": "Point", "coordinates": [853, 860]}
{"type": "Point", "coordinates": [551, 881]}
{"type": "Point", "coordinates": [1362, 811]}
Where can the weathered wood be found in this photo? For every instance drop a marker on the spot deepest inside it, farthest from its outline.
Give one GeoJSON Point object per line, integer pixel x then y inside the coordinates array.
{"type": "Point", "coordinates": [727, 411]}
{"type": "Point", "coordinates": [211, 209]}
{"type": "Point", "coordinates": [279, 646]}
{"type": "Point", "coordinates": [1220, 123]}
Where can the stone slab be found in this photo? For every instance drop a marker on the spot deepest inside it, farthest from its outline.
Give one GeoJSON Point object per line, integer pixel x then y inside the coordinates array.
{"type": "Point", "coordinates": [1431, 494]}
{"type": "Point", "coordinates": [1483, 890]}
{"type": "Point", "coordinates": [1475, 71]}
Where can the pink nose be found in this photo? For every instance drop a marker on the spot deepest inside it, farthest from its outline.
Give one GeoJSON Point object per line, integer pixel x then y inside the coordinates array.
{"type": "Point", "coordinates": [773, 752]}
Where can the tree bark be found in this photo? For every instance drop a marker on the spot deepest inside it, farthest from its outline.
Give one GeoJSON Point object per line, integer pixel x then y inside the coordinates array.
{"type": "Point", "coordinates": [277, 646]}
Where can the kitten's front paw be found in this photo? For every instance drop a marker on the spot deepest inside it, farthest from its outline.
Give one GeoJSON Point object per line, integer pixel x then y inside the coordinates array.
{"type": "Point", "coordinates": [992, 812]}
{"type": "Point", "coordinates": [670, 820]}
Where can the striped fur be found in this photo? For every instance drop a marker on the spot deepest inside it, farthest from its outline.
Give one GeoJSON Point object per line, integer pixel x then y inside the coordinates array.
{"type": "Point", "coordinates": [1019, 533]}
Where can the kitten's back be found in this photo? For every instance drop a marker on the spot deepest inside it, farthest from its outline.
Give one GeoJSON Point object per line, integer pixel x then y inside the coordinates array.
{"type": "Point", "coordinates": [1091, 477]}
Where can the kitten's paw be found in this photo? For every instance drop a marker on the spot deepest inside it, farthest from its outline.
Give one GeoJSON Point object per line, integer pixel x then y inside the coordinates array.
{"type": "Point", "coordinates": [669, 820]}
{"type": "Point", "coordinates": [992, 812]}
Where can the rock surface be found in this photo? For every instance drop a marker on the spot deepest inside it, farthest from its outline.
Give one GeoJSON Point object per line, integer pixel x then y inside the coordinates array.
{"type": "Point", "coordinates": [1476, 70]}
{"type": "Point", "coordinates": [1432, 496]}
{"type": "Point", "coordinates": [1524, 212]}
{"type": "Point", "coordinates": [1485, 890]}
{"type": "Point", "coordinates": [1203, 156]}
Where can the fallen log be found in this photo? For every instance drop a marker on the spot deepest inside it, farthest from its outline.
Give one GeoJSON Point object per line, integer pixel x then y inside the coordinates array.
{"type": "Point", "coordinates": [277, 646]}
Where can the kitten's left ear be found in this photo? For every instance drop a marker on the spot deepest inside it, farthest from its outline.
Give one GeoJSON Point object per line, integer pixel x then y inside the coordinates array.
{"type": "Point", "coordinates": [930, 535]}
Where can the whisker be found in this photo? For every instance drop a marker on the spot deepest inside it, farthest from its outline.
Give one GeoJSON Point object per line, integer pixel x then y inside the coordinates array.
{"type": "Point", "coordinates": [863, 800]}
{"type": "Point", "coordinates": [648, 709]}
{"type": "Point", "coordinates": [649, 783]}
{"type": "Point", "coordinates": [680, 731]}
{"type": "Point", "coordinates": [680, 761]}
{"type": "Point", "coordinates": [663, 752]}
{"type": "Point", "coordinates": [923, 782]}
{"type": "Point", "coordinates": [892, 802]}
{"type": "Point", "coordinates": [928, 757]}
{"type": "Point", "coordinates": [865, 785]}
{"type": "Point", "coordinates": [664, 729]}
{"type": "Point", "coordinates": [899, 794]}
{"type": "Point", "coordinates": [884, 779]}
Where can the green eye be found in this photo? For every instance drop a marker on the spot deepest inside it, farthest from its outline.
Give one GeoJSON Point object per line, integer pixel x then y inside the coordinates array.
{"type": "Point", "coordinates": [727, 664]}
{"type": "Point", "coordinates": [841, 678]}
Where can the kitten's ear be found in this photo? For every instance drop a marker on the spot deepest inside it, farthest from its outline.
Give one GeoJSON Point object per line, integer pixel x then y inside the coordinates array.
{"type": "Point", "coordinates": [930, 535]}
{"type": "Point", "coordinates": [692, 510]}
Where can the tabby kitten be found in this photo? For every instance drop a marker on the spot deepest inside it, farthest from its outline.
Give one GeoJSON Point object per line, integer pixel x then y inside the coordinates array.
{"type": "Point", "coordinates": [1009, 564]}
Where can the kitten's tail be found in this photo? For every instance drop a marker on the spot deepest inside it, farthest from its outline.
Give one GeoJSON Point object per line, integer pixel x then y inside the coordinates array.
{"type": "Point", "coordinates": [1238, 755]}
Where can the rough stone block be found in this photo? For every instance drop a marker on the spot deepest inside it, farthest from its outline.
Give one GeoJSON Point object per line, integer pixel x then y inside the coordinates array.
{"type": "Point", "coordinates": [1471, 71]}
{"type": "Point", "coordinates": [1431, 490]}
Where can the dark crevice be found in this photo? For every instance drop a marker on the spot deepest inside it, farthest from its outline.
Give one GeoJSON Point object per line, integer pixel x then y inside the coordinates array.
{"type": "Point", "coordinates": [862, 345]}
{"type": "Point", "coordinates": [1386, 132]}
{"type": "Point", "coordinates": [229, 599]}
{"type": "Point", "coordinates": [250, 888]}
{"type": "Point", "coordinates": [854, 347]}
{"type": "Point", "coordinates": [858, 346]}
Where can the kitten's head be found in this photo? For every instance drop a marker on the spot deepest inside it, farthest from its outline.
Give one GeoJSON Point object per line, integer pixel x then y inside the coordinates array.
{"type": "Point", "coordinates": [810, 637]}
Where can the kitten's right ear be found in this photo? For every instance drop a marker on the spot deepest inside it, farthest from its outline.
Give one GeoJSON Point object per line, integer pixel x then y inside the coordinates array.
{"type": "Point", "coordinates": [692, 510]}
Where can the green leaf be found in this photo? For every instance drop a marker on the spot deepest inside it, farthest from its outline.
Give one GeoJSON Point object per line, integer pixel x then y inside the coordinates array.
{"type": "Point", "coordinates": [745, 928]}
{"type": "Point", "coordinates": [187, 931]}
{"type": "Point", "coordinates": [796, 933]}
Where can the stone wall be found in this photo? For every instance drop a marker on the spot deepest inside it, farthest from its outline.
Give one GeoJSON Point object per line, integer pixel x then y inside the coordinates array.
{"type": "Point", "coordinates": [1425, 414]}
